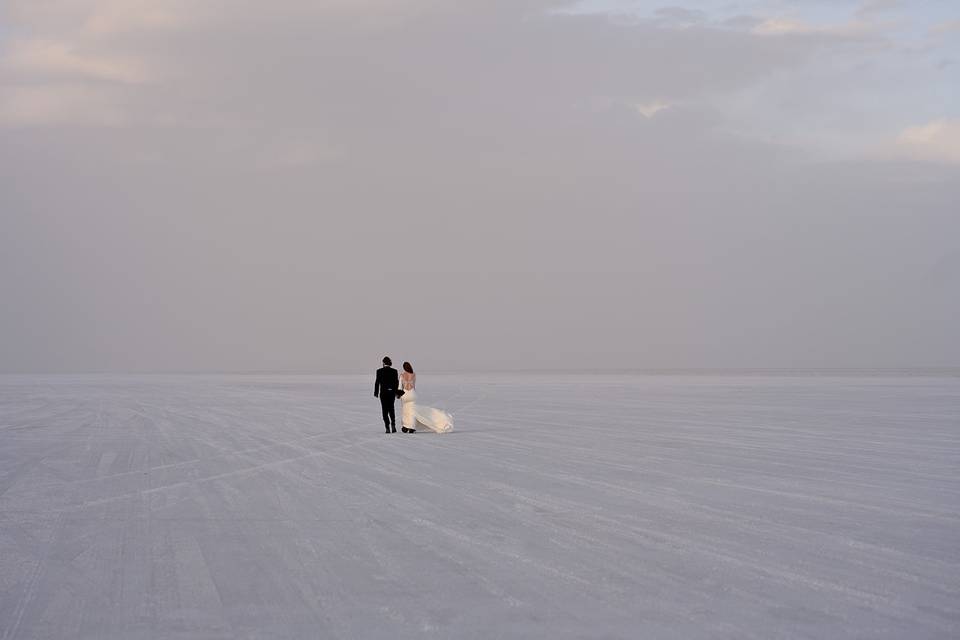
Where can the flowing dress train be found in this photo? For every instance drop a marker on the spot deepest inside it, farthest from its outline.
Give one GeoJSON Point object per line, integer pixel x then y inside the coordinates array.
{"type": "Point", "coordinates": [422, 418]}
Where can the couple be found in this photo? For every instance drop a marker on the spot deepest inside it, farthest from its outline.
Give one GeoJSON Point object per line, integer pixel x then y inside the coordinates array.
{"type": "Point", "coordinates": [389, 386]}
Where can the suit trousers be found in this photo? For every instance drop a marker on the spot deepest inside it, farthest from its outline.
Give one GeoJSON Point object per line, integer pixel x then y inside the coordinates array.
{"type": "Point", "coordinates": [387, 401]}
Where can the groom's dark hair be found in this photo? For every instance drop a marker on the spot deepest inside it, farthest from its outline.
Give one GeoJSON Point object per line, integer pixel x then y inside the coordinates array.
{"type": "Point", "coordinates": [387, 361]}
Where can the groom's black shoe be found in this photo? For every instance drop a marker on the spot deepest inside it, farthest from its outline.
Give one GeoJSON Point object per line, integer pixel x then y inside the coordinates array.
{"type": "Point", "coordinates": [393, 429]}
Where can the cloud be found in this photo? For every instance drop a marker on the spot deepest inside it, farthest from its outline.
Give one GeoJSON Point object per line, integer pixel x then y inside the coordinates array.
{"type": "Point", "coordinates": [58, 104]}
{"type": "Point", "coordinates": [951, 26]}
{"type": "Point", "coordinates": [650, 109]}
{"type": "Point", "coordinates": [937, 141]}
{"type": "Point", "coordinates": [870, 8]}
{"type": "Point", "coordinates": [106, 18]}
{"type": "Point", "coordinates": [788, 27]}
{"type": "Point", "coordinates": [67, 58]}
{"type": "Point", "coordinates": [680, 16]}
{"type": "Point", "coordinates": [287, 50]}
{"type": "Point", "coordinates": [39, 58]}
{"type": "Point", "coordinates": [776, 26]}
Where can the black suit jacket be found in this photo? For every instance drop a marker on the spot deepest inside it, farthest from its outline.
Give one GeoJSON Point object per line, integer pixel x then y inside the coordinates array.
{"type": "Point", "coordinates": [387, 380]}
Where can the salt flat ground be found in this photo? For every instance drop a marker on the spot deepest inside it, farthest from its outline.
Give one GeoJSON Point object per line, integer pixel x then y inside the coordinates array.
{"type": "Point", "coordinates": [602, 507]}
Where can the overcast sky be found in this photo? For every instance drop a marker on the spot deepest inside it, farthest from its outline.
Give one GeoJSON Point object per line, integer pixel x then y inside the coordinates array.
{"type": "Point", "coordinates": [305, 185]}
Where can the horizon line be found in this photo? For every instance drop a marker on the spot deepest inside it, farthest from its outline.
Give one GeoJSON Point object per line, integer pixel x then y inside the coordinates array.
{"type": "Point", "coordinates": [913, 369]}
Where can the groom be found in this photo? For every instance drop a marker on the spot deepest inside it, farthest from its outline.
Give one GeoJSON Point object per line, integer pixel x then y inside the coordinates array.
{"type": "Point", "coordinates": [385, 388]}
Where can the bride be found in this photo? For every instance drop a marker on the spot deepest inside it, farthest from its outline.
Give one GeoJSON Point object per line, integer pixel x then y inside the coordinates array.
{"type": "Point", "coordinates": [416, 416]}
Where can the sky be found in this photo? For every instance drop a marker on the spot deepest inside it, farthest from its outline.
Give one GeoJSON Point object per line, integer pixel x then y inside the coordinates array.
{"type": "Point", "coordinates": [307, 185]}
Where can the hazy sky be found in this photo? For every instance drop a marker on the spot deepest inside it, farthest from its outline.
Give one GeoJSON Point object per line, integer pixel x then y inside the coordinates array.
{"type": "Point", "coordinates": [307, 184]}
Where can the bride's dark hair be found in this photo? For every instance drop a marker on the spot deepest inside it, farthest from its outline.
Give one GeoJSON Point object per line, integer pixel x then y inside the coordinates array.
{"type": "Point", "coordinates": [407, 367]}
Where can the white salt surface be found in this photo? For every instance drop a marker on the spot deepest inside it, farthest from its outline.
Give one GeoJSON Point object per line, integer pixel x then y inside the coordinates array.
{"type": "Point", "coordinates": [631, 507]}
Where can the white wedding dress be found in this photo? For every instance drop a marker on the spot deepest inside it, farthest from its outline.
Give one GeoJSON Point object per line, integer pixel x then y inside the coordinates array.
{"type": "Point", "coordinates": [418, 417]}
